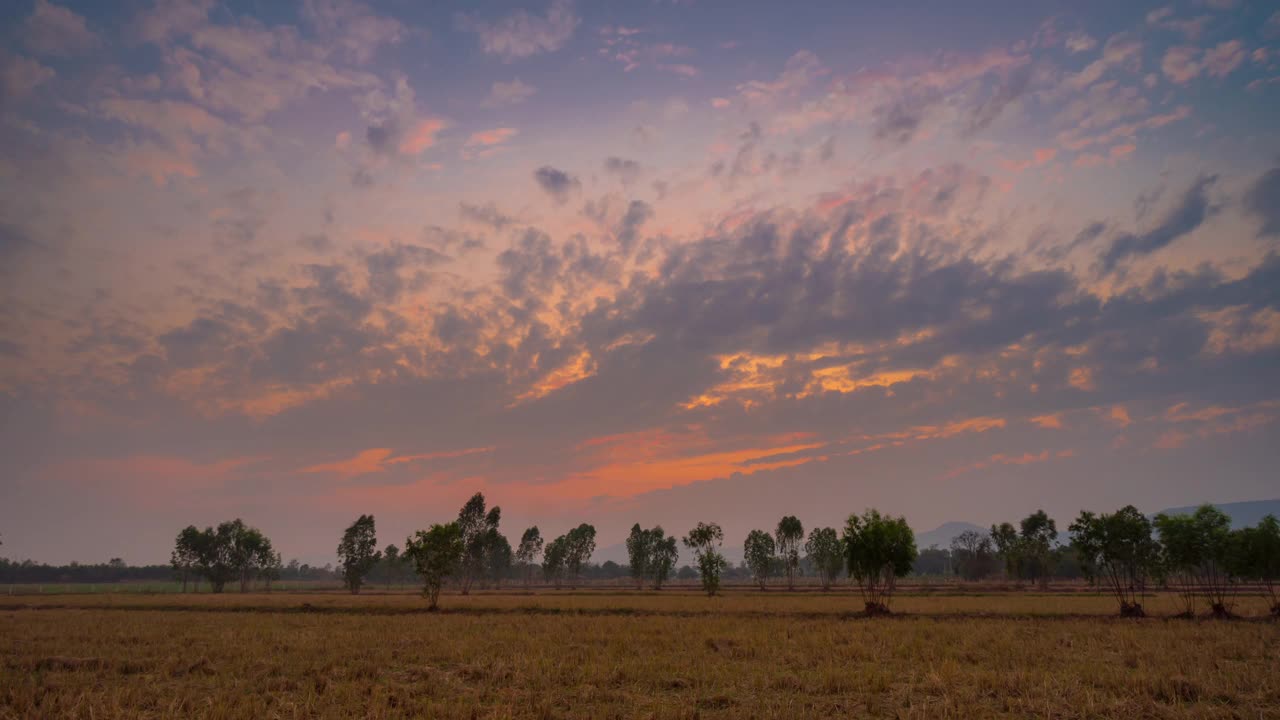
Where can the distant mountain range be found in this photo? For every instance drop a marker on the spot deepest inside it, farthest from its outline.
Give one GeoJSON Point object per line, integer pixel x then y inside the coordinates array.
{"type": "Point", "coordinates": [944, 533]}
{"type": "Point", "coordinates": [1242, 513]}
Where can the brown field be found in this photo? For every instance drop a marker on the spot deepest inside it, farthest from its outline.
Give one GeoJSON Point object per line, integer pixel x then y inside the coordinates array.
{"type": "Point", "coordinates": [673, 654]}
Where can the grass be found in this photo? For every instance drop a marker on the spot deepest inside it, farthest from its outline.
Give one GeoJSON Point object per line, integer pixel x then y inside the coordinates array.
{"type": "Point", "coordinates": [615, 654]}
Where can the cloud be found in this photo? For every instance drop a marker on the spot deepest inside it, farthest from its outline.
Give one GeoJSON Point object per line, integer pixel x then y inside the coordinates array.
{"type": "Point", "coordinates": [167, 19]}
{"type": "Point", "coordinates": [1180, 64]}
{"type": "Point", "coordinates": [487, 214]}
{"type": "Point", "coordinates": [520, 34]}
{"type": "Point", "coordinates": [1262, 200]}
{"type": "Point", "coordinates": [556, 183]}
{"type": "Point", "coordinates": [19, 76]}
{"type": "Point", "coordinates": [1080, 42]}
{"type": "Point", "coordinates": [353, 26]}
{"type": "Point", "coordinates": [627, 171]}
{"type": "Point", "coordinates": [54, 30]}
{"type": "Point", "coordinates": [505, 94]}
{"type": "Point", "coordinates": [1224, 58]}
{"type": "Point", "coordinates": [1192, 209]}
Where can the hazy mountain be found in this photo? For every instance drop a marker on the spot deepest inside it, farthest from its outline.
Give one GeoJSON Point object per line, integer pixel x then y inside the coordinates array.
{"type": "Point", "coordinates": [942, 535]}
{"type": "Point", "coordinates": [1242, 513]}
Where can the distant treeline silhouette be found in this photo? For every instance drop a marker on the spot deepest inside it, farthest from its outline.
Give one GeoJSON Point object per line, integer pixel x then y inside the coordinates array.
{"type": "Point", "coordinates": [1124, 553]}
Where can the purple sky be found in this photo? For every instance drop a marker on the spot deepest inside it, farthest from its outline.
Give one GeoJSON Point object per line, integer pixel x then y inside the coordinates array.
{"type": "Point", "coordinates": [629, 262]}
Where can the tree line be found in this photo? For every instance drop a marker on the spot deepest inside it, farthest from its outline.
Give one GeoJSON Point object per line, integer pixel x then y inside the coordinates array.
{"type": "Point", "coordinates": [1124, 553]}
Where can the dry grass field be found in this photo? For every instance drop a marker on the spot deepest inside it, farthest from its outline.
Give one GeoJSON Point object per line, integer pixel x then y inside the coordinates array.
{"type": "Point", "coordinates": [617, 654]}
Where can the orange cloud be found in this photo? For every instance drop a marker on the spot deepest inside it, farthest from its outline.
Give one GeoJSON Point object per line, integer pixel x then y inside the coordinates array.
{"type": "Point", "coordinates": [376, 460]}
{"type": "Point", "coordinates": [1119, 415]}
{"type": "Point", "coordinates": [1049, 422]}
{"type": "Point", "coordinates": [1003, 459]}
{"type": "Point", "coordinates": [421, 136]}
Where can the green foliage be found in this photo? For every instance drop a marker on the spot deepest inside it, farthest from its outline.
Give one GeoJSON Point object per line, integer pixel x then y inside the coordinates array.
{"type": "Point", "coordinates": [436, 554]}
{"type": "Point", "coordinates": [527, 553]}
{"type": "Point", "coordinates": [1118, 551]}
{"type": "Point", "coordinates": [232, 550]}
{"type": "Point", "coordinates": [1256, 555]}
{"type": "Point", "coordinates": [357, 553]}
{"type": "Point", "coordinates": [878, 550]}
{"type": "Point", "coordinates": [1027, 550]}
{"type": "Point", "coordinates": [638, 553]}
{"type": "Point", "coordinates": [705, 540]}
{"type": "Point", "coordinates": [789, 534]}
{"type": "Point", "coordinates": [826, 551]}
{"type": "Point", "coordinates": [1197, 554]}
{"type": "Point", "coordinates": [757, 551]}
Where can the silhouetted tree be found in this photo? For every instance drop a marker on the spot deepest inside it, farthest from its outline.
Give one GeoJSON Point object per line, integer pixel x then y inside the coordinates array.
{"type": "Point", "coordinates": [553, 560]}
{"type": "Point", "coordinates": [879, 550]}
{"type": "Point", "coordinates": [1120, 554]}
{"type": "Point", "coordinates": [498, 559]}
{"type": "Point", "coordinates": [475, 525]}
{"type": "Point", "coordinates": [436, 554]}
{"type": "Point", "coordinates": [185, 555]}
{"type": "Point", "coordinates": [758, 554]}
{"type": "Point", "coordinates": [528, 551]}
{"type": "Point", "coordinates": [789, 535]}
{"type": "Point", "coordinates": [705, 540]}
{"type": "Point", "coordinates": [826, 552]}
{"type": "Point", "coordinates": [639, 549]}
{"type": "Point", "coordinates": [663, 557]}
{"type": "Point", "coordinates": [580, 542]}
{"type": "Point", "coordinates": [357, 552]}
{"type": "Point", "coordinates": [972, 554]}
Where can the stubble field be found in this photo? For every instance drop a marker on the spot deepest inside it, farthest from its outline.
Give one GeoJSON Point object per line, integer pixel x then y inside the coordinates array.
{"type": "Point", "coordinates": [674, 654]}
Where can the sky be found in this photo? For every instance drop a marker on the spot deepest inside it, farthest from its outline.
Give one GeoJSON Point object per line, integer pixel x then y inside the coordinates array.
{"type": "Point", "coordinates": [619, 262]}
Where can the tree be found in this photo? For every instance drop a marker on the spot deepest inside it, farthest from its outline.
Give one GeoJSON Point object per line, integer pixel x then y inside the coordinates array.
{"type": "Point", "coordinates": [1038, 531]}
{"type": "Point", "coordinates": [474, 524]}
{"type": "Point", "coordinates": [972, 554]}
{"type": "Point", "coordinates": [580, 542]}
{"type": "Point", "coordinates": [528, 551]}
{"type": "Point", "coordinates": [705, 540]}
{"type": "Point", "coordinates": [498, 559]}
{"type": "Point", "coordinates": [662, 560]}
{"type": "Point", "coordinates": [436, 554]}
{"type": "Point", "coordinates": [553, 560]}
{"type": "Point", "coordinates": [879, 549]}
{"type": "Point", "coordinates": [358, 552]}
{"type": "Point", "coordinates": [826, 552]}
{"type": "Point", "coordinates": [186, 553]}
{"type": "Point", "coordinates": [789, 534]}
{"type": "Point", "coordinates": [1009, 548]}
{"type": "Point", "coordinates": [639, 549]}
{"type": "Point", "coordinates": [391, 562]}
{"type": "Point", "coordinates": [757, 552]}
{"type": "Point", "coordinates": [272, 569]}
{"type": "Point", "coordinates": [1197, 554]}
{"type": "Point", "coordinates": [1256, 555]}
{"type": "Point", "coordinates": [233, 550]}
{"type": "Point", "coordinates": [1119, 552]}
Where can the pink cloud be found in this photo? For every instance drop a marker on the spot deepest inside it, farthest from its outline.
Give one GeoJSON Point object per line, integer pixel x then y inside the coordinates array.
{"type": "Point", "coordinates": [421, 136]}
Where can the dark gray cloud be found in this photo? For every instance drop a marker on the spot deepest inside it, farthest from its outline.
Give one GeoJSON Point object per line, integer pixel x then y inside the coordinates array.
{"type": "Point", "coordinates": [897, 122]}
{"type": "Point", "coordinates": [1263, 201]}
{"type": "Point", "coordinates": [627, 171]}
{"type": "Point", "coordinates": [1191, 210]}
{"type": "Point", "coordinates": [487, 214]}
{"type": "Point", "coordinates": [384, 268]}
{"type": "Point", "coordinates": [1005, 93]}
{"type": "Point", "coordinates": [556, 183]}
